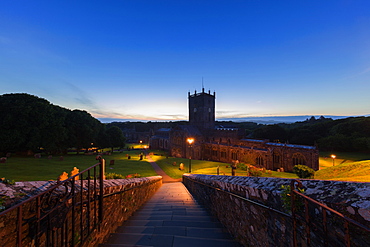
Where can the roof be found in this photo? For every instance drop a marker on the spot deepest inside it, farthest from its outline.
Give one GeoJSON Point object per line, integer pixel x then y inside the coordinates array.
{"type": "Point", "coordinates": [190, 129]}
{"type": "Point", "coordinates": [164, 130]}
{"type": "Point", "coordinates": [290, 145]}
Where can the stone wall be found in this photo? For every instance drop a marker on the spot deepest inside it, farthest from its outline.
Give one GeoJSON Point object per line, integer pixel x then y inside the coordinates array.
{"type": "Point", "coordinates": [118, 207]}
{"type": "Point", "coordinates": [254, 224]}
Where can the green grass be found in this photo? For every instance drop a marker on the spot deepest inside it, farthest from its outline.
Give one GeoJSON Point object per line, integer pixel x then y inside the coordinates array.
{"type": "Point", "coordinates": [352, 171]}
{"type": "Point", "coordinates": [31, 169]}
{"type": "Point", "coordinates": [204, 167]}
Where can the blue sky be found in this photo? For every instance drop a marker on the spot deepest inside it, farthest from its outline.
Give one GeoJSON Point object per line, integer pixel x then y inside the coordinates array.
{"type": "Point", "coordinates": [139, 59]}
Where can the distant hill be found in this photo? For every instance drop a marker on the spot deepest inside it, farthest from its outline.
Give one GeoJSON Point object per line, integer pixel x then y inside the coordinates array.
{"type": "Point", "coordinates": [279, 119]}
{"type": "Point", "coordinates": [259, 120]}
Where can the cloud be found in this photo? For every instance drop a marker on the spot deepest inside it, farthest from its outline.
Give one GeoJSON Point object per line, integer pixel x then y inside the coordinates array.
{"type": "Point", "coordinates": [81, 97]}
{"type": "Point", "coordinates": [223, 112]}
{"type": "Point", "coordinates": [365, 71]}
{"type": "Point", "coordinates": [174, 117]}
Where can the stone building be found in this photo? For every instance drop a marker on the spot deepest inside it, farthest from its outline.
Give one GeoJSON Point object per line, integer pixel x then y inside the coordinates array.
{"type": "Point", "coordinates": [225, 144]}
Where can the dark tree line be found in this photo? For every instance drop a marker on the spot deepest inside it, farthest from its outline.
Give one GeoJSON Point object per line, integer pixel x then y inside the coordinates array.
{"type": "Point", "coordinates": [349, 134]}
{"type": "Point", "coordinates": [30, 123]}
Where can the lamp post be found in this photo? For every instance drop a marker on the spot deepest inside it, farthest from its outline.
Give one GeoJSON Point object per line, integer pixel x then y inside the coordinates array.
{"type": "Point", "coordinates": [190, 142]}
{"type": "Point", "coordinates": [333, 156]}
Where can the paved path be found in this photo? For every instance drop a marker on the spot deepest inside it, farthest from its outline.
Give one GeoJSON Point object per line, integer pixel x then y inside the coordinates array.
{"type": "Point", "coordinates": [160, 172]}
{"type": "Point", "coordinates": [171, 218]}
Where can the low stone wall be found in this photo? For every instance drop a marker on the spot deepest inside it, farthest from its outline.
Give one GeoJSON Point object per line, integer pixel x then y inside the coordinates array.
{"type": "Point", "coordinates": [118, 207]}
{"type": "Point", "coordinates": [254, 224]}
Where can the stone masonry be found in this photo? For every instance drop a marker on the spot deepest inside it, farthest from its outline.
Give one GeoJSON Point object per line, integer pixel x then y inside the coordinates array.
{"type": "Point", "coordinates": [256, 225]}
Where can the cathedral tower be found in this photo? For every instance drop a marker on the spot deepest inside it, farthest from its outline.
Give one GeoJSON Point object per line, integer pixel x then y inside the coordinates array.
{"type": "Point", "coordinates": [202, 109]}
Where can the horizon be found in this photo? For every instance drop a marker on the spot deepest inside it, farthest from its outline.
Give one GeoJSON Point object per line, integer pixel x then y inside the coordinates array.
{"type": "Point", "coordinates": [138, 60]}
{"type": "Point", "coordinates": [259, 120]}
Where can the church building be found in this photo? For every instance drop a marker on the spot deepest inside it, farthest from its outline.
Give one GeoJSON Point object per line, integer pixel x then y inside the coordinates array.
{"type": "Point", "coordinates": [218, 143]}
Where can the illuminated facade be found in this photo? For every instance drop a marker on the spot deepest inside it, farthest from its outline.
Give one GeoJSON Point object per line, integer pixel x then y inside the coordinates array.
{"type": "Point", "coordinates": [218, 143]}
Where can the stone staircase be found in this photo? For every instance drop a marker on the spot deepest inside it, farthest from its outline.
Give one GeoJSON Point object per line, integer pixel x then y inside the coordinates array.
{"type": "Point", "coordinates": [171, 218]}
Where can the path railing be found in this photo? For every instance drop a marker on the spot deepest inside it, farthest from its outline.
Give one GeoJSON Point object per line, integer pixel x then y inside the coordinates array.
{"type": "Point", "coordinates": [64, 215]}
{"type": "Point", "coordinates": [315, 217]}
{"type": "Point", "coordinates": [309, 228]}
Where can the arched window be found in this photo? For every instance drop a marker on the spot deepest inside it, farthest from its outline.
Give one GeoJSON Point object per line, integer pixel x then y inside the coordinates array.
{"type": "Point", "coordinates": [234, 156]}
{"type": "Point", "coordinates": [276, 161]}
{"type": "Point", "coordinates": [276, 158]}
{"type": "Point", "coordinates": [298, 159]}
{"type": "Point", "coordinates": [259, 161]}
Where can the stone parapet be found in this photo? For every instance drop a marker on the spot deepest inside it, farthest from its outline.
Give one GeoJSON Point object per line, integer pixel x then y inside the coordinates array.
{"type": "Point", "coordinates": [118, 207]}
{"type": "Point", "coordinates": [266, 221]}
{"type": "Point", "coordinates": [122, 197]}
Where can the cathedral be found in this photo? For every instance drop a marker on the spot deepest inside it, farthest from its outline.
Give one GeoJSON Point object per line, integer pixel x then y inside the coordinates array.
{"type": "Point", "coordinates": [217, 143]}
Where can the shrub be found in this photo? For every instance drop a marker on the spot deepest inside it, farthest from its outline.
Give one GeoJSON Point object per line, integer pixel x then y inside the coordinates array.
{"type": "Point", "coordinates": [303, 171]}
{"type": "Point", "coordinates": [7, 181]}
{"type": "Point", "coordinates": [136, 175]}
{"type": "Point", "coordinates": [287, 200]}
{"type": "Point", "coordinates": [254, 172]}
{"type": "Point", "coordinates": [242, 166]}
{"type": "Point", "coordinates": [113, 176]}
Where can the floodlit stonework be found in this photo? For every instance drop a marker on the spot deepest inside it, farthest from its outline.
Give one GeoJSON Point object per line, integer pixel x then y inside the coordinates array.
{"type": "Point", "coordinates": [227, 144]}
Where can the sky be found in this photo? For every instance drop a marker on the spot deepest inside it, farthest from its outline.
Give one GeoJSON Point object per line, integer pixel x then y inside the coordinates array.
{"type": "Point", "coordinates": [137, 60]}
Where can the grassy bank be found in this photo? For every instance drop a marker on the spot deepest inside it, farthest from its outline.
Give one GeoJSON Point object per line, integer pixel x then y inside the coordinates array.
{"type": "Point", "coordinates": [170, 165]}
{"type": "Point", "coordinates": [349, 171]}
{"type": "Point", "coordinates": [32, 169]}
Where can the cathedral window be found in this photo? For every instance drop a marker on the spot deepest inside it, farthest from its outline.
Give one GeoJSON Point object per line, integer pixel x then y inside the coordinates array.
{"type": "Point", "coordinates": [276, 158]}
{"type": "Point", "coordinates": [259, 161]}
{"type": "Point", "coordinates": [299, 159]}
{"type": "Point", "coordinates": [234, 156]}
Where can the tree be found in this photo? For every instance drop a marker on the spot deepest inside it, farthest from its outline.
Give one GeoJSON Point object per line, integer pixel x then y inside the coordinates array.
{"type": "Point", "coordinates": [83, 129]}
{"type": "Point", "coordinates": [116, 138]}
{"type": "Point", "coordinates": [28, 123]}
{"type": "Point", "coordinates": [272, 132]}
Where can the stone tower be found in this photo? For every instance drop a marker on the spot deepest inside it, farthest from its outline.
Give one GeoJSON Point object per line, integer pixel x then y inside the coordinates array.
{"type": "Point", "coordinates": [202, 109]}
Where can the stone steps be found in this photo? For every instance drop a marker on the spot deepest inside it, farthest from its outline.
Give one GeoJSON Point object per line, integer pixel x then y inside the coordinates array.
{"type": "Point", "coordinates": [171, 218]}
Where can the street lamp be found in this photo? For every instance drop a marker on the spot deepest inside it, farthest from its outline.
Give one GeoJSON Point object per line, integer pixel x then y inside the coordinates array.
{"type": "Point", "coordinates": [190, 141]}
{"type": "Point", "coordinates": [333, 156]}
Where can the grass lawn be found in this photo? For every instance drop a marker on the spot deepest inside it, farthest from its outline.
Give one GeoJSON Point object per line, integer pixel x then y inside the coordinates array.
{"type": "Point", "coordinates": [31, 169]}
{"type": "Point", "coordinates": [204, 167]}
{"type": "Point", "coordinates": [351, 171]}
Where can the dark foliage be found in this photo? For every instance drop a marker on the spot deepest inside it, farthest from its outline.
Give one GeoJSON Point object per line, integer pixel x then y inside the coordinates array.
{"type": "Point", "coordinates": [303, 171]}
{"type": "Point", "coordinates": [29, 123]}
{"type": "Point", "coordinates": [349, 134]}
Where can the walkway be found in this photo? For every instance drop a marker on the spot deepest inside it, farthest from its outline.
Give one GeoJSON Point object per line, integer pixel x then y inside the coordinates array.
{"type": "Point", "coordinates": [160, 172]}
{"type": "Point", "coordinates": [171, 218]}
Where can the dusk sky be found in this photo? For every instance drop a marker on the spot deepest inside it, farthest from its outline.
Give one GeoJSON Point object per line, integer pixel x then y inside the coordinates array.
{"type": "Point", "coordinates": [133, 59]}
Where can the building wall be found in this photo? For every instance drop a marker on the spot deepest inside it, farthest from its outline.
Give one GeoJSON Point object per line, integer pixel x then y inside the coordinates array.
{"type": "Point", "coordinates": [262, 155]}
{"type": "Point", "coordinates": [228, 147]}
{"type": "Point", "coordinates": [226, 144]}
{"type": "Point", "coordinates": [202, 110]}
